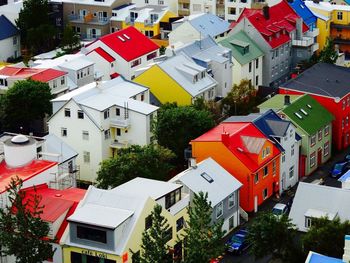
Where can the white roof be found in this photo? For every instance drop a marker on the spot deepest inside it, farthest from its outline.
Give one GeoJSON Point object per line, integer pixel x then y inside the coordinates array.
{"type": "Point", "coordinates": [63, 60]}
{"type": "Point", "coordinates": [76, 64]}
{"type": "Point", "coordinates": [90, 2]}
{"type": "Point", "coordinates": [147, 187]}
{"type": "Point", "coordinates": [327, 6]}
{"type": "Point", "coordinates": [53, 144]}
{"type": "Point", "coordinates": [316, 200]}
{"type": "Point", "coordinates": [11, 10]}
{"type": "Point", "coordinates": [223, 183]}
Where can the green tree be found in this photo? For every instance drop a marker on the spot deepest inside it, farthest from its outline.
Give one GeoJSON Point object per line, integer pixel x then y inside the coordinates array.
{"type": "Point", "coordinates": [176, 126]}
{"type": "Point", "coordinates": [27, 101]}
{"type": "Point", "coordinates": [162, 50]}
{"type": "Point", "coordinates": [203, 239]}
{"type": "Point", "coordinates": [22, 232]}
{"type": "Point", "coordinates": [151, 161]}
{"type": "Point", "coordinates": [70, 39]}
{"type": "Point", "coordinates": [241, 100]}
{"type": "Point", "coordinates": [328, 54]}
{"type": "Point", "coordinates": [154, 240]}
{"type": "Point", "coordinates": [211, 106]}
{"type": "Point", "coordinates": [34, 24]}
{"type": "Point", "coordinates": [273, 235]}
{"type": "Point", "coordinates": [326, 237]}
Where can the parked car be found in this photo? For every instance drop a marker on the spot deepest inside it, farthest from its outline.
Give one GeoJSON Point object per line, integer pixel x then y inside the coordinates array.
{"type": "Point", "coordinates": [238, 243]}
{"type": "Point", "coordinates": [280, 209]}
{"type": "Point", "coordinates": [339, 169]}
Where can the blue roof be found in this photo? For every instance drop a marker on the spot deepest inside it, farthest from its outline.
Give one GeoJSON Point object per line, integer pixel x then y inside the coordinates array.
{"type": "Point", "coordinates": [318, 258]}
{"type": "Point", "coordinates": [304, 12]}
{"type": "Point", "coordinates": [344, 177]}
{"type": "Point", "coordinates": [7, 29]}
{"type": "Point", "coordinates": [209, 24]}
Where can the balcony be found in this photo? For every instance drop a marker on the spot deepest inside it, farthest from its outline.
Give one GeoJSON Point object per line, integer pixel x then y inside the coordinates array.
{"type": "Point", "coordinates": [89, 36]}
{"type": "Point", "coordinates": [184, 1]}
{"type": "Point", "coordinates": [119, 143]}
{"type": "Point", "coordinates": [340, 26]}
{"type": "Point", "coordinates": [89, 19]}
{"type": "Point", "coordinates": [304, 42]}
{"type": "Point", "coordinates": [314, 33]}
{"type": "Point", "coordinates": [183, 203]}
{"type": "Point", "coordinates": [338, 40]}
{"type": "Point", "coordinates": [120, 123]}
{"type": "Point", "coordinates": [315, 47]}
{"type": "Point", "coordinates": [183, 12]}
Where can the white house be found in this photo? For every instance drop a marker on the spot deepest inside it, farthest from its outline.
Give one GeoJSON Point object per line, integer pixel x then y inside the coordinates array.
{"type": "Point", "coordinates": [222, 188]}
{"type": "Point", "coordinates": [10, 43]}
{"type": "Point", "coordinates": [99, 118]}
{"type": "Point", "coordinates": [129, 48]}
{"type": "Point", "coordinates": [171, 4]}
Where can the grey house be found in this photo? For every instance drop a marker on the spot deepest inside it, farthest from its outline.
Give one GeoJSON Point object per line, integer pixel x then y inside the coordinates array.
{"type": "Point", "coordinates": [222, 188]}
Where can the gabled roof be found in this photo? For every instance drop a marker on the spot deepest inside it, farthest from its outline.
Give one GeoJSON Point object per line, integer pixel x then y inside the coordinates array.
{"type": "Point", "coordinates": [235, 42]}
{"type": "Point", "coordinates": [314, 200]}
{"type": "Point", "coordinates": [314, 257]}
{"type": "Point", "coordinates": [322, 79]}
{"type": "Point", "coordinates": [103, 54]}
{"type": "Point", "coordinates": [276, 103]}
{"type": "Point", "coordinates": [42, 75]}
{"type": "Point", "coordinates": [129, 43]}
{"type": "Point", "coordinates": [244, 140]}
{"type": "Point", "coordinates": [55, 145]}
{"type": "Point", "coordinates": [282, 20]}
{"type": "Point", "coordinates": [7, 29]}
{"type": "Point", "coordinates": [223, 183]}
{"type": "Point", "coordinates": [305, 112]}
{"type": "Point", "coordinates": [303, 11]}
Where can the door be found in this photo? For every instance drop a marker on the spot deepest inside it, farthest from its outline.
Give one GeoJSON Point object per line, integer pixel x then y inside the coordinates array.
{"type": "Point", "coordinates": [255, 203]}
{"type": "Point", "coordinates": [82, 14]}
{"type": "Point", "coordinates": [319, 156]}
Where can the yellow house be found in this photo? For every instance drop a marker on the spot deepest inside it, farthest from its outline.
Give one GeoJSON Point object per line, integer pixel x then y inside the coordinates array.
{"type": "Point", "coordinates": [107, 225]}
{"type": "Point", "coordinates": [178, 79]}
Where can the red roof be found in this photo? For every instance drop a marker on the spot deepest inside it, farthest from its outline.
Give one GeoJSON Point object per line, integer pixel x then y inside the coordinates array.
{"type": "Point", "coordinates": [276, 29]}
{"type": "Point", "coordinates": [114, 75]}
{"type": "Point", "coordinates": [25, 172]}
{"type": "Point", "coordinates": [43, 75]}
{"type": "Point", "coordinates": [103, 54]}
{"type": "Point", "coordinates": [236, 144]}
{"type": "Point", "coordinates": [129, 43]}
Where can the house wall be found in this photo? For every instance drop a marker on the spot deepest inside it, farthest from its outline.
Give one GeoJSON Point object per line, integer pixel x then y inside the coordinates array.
{"type": "Point", "coordinates": [223, 75]}
{"type": "Point", "coordinates": [57, 87]}
{"type": "Point", "coordinates": [8, 49]}
{"type": "Point", "coordinates": [242, 71]}
{"type": "Point", "coordinates": [102, 65]}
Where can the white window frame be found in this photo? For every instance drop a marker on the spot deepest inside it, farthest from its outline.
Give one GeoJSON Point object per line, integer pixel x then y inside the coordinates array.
{"type": "Point", "coordinates": [64, 132]}
{"type": "Point", "coordinates": [85, 135]}
{"type": "Point", "coordinates": [312, 159]}
{"type": "Point", "coordinates": [231, 200]}
{"type": "Point", "coordinates": [326, 149]}
{"type": "Point", "coordinates": [86, 157]}
{"type": "Point", "coordinates": [263, 193]}
{"type": "Point", "coordinates": [219, 209]}
{"type": "Point", "coordinates": [291, 172]}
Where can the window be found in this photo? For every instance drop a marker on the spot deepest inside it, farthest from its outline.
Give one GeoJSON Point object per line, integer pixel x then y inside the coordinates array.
{"type": "Point", "coordinates": [169, 234]}
{"type": "Point", "coordinates": [340, 15]}
{"type": "Point", "coordinates": [265, 193]}
{"type": "Point", "coordinates": [92, 234]}
{"type": "Point", "coordinates": [231, 200]}
{"type": "Point", "coordinates": [152, 55]}
{"type": "Point", "coordinates": [160, 2]}
{"type": "Point", "coordinates": [80, 114]}
{"type": "Point", "coordinates": [250, 66]}
{"type": "Point", "coordinates": [347, 120]}
{"type": "Point", "coordinates": [344, 104]}
{"type": "Point", "coordinates": [180, 223]}
{"type": "Point", "coordinates": [326, 130]}
{"type": "Point", "coordinates": [117, 111]}
{"type": "Point", "coordinates": [66, 112]}
{"type": "Point", "coordinates": [219, 210]}
{"type": "Point", "coordinates": [257, 63]}
{"type": "Point", "coordinates": [54, 83]}
{"type": "Point", "coordinates": [292, 150]}
{"type": "Point", "coordinates": [342, 123]}
{"type": "Point", "coordinates": [107, 134]}
{"type": "Point", "coordinates": [106, 114]}
{"type": "Point", "coordinates": [313, 159]}
{"type": "Point", "coordinates": [63, 80]}
{"type": "Point", "coordinates": [266, 171]}
{"type": "Point", "coordinates": [291, 133]}
{"type": "Point", "coordinates": [148, 222]}
{"type": "Point", "coordinates": [231, 223]}
{"type": "Point", "coordinates": [172, 198]}
{"type": "Point", "coordinates": [146, 2]}
{"type": "Point", "coordinates": [142, 97]}
{"type": "Point", "coordinates": [86, 157]}
{"type": "Point", "coordinates": [291, 172]}
{"type": "Point", "coordinates": [257, 80]}
{"type": "Point", "coordinates": [232, 10]}
{"type": "Point", "coordinates": [313, 140]}
{"type": "Point", "coordinates": [348, 101]}
{"type": "Point", "coordinates": [85, 135]}
{"type": "Point", "coordinates": [14, 40]}
{"type": "Point", "coordinates": [308, 222]}
{"type": "Point", "coordinates": [274, 168]}
{"type": "Point", "coordinates": [118, 131]}
{"type": "Point", "coordinates": [64, 132]}
{"type": "Point", "coordinates": [256, 178]}
{"type": "Point", "coordinates": [136, 62]}
{"type": "Point", "coordinates": [283, 157]}
{"type": "Point", "coordinates": [326, 149]}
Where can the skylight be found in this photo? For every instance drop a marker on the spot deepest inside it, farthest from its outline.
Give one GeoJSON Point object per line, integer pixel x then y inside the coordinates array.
{"type": "Point", "coordinates": [122, 39]}
{"type": "Point", "coordinates": [309, 106]}
{"type": "Point", "coordinates": [207, 177]}
{"type": "Point", "coordinates": [126, 36]}
{"type": "Point", "coordinates": [303, 111]}
{"type": "Point", "coordinates": [298, 115]}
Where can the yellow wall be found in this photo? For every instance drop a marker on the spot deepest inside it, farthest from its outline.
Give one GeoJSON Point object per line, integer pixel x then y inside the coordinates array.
{"type": "Point", "coordinates": [163, 87]}
{"type": "Point", "coordinates": [167, 16]}
{"type": "Point", "coordinates": [68, 249]}
{"type": "Point", "coordinates": [324, 27]}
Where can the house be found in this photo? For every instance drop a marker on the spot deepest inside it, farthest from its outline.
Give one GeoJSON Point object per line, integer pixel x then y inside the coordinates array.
{"type": "Point", "coordinates": [247, 154]}
{"type": "Point", "coordinates": [91, 18]}
{"type": "Point", "coordinates": [283, 134]}
{"type": "Point", "coordinates": [56, 79]}
{"type": "Point", "coordinates": [57, 205]}
{"type": "Point", "coordinates": [277, 30]}
{"type": "Point", "coordinates": [10, 43]}
{"type": "Point", "coordinates": [196, 27]}
{"type": "Point", "coordinates": [316, 133]}
{"type": "Point", "coordinates": [216, 59]}
{"type": "Point", "coordinates": [172, 5]}
{"type": "Point", "coordinates": [99, 118]}
{"type": "Point", "coordinates": [345, 180]}
{"type": "Point", "coordinates": [315, 201]}
{"type": "Point", "coordinates": [346, 256]}
{"type": "Point", "coordinates": [178, 79]}
{"type": "Point", "coordinates": [109, 223]}
{"type": "Point", "coordinates": [247, 58]}
{"type": "Point", "coordinates": [129, 48]}
{"type": "Point", "coordinates": [314, 257]}
{"type": "Point", "coordinates": [222, 188]}
{"type": "Point", "coordinates": [327, 84]}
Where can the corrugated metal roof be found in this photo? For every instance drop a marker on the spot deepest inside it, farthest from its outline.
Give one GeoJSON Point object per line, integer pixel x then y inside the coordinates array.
{"type": "Point", "coordinates": [7, 29]}
{"type": "Point", "coordinates": [209, 24]}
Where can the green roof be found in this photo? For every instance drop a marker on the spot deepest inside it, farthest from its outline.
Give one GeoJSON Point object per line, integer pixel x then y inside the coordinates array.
{"type": "Point", "coordinates": [237, 42]}
{"type": "Point", "coordinates": [308, 114]}
{"type": "Point", "coordinates": [276, 103]}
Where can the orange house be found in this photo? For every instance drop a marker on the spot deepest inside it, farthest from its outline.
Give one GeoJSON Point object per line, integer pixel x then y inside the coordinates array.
{"type": "Point", "coordinates": [247, 154]}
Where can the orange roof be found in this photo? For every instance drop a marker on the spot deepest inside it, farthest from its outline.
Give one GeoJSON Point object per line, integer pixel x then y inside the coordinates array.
{"type": "Point", "coordinates": [43, 75]}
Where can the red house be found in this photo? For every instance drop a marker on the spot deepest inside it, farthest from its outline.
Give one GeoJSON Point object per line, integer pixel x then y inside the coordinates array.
{"type": "Point", "coordinates": [329, 85]}
{"type": "Point", "coordinates": [247, 154]}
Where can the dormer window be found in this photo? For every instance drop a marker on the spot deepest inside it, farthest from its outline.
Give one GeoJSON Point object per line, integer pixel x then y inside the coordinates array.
{"type": "Point", "coordinates": [172, 198]}
{"type": "Point", "coordinates": [195, 78]}
{"type": "Point", "coordinates": [266, 152]}
{"type": "Point", "coordinates": [203, 74]}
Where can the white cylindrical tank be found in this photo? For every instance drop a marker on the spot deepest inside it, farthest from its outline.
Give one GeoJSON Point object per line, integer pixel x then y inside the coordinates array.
{"type": "Point", "coordinates": [19, 151]}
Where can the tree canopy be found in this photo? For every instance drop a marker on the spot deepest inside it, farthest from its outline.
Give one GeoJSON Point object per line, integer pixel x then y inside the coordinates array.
{"type": "Point", "coordinates": [151, 161]}
{"type": "Point", "coordinates": [22, 232]}
{"type": "Point", "coordinates": [175, 126]}
{"type": "Point", "coordinates": [27, 101]}
{"type": "Point", "coordinates": [70, 39]}
{"type": "Point", "coordinates": [203, 238]}
{"type": "Point", "coordinates": [328, 54]}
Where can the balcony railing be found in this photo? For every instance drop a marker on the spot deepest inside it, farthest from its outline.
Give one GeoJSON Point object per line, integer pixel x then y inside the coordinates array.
{"type": "Point", "coordinates": [339, 40]}
{"type": "Point", "coordinates": [120, 123]}
{"type": "Point", "coordinates": [314, 33]}
{"type": "Point", "coordinates": [315, 47]}
{"type": "Point", "coordinates": [183, 203]}
{"type": "Point", "coordinates": [89, 19]}
{"type": "Point", "coordinates": [304, 42]}
{"type": "Point", "coordinates": [119, 143]}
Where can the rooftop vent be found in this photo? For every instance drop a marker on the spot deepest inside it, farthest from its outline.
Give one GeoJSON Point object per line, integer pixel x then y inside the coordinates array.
{"type": "Point", "coordinates": [298, 115]}
{"type": "Point", "coordinates": [309, 106]}
{"type": "Point", "coordinates": [303, 111]}
{"type": "Point", "coordinates": [126, 36]}
{"type": "Point", "coordinates": [207, 177]}
{"type": "Point", "coordinates": [19, 139]}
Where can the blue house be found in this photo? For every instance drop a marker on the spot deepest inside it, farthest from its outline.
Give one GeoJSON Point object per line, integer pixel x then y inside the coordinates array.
{"type": "Point", "coordinates": [9, 39]}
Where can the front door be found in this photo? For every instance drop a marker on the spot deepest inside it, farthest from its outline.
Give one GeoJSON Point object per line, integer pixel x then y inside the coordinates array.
{"type": "Point", "coordinates": [319, 156]}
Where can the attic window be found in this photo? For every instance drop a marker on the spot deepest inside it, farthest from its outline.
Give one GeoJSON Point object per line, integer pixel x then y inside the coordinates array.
{"type": "Point", "coordinates": [126, 36]}
{"type": "Point", "coordinates": [309, 106]}
{"type": "Point", "coordinates": [207, 177]}
{"type": "Point", "coordinates": [298, 115]}
{"type": "Point", "coordinates": [122, 39]}
{"type": "Point", "coordinates": [304, 112]}
{"type": "Point", "coordinates": [245, 50]}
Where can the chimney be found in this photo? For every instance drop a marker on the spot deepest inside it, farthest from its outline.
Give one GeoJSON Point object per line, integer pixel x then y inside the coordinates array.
{"type": "Point", "coordinates": [266, 12]}
{"type": "Point", "coordinates": [192, 163]}
{"type": "Point", "coordinates": [225, 138]}
{"type": "Point", "coordinates": [286, 100]}
{"type": "Point", "coordinates": [299, 28]}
